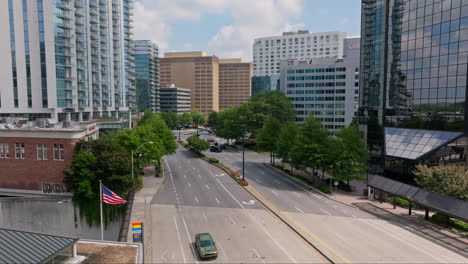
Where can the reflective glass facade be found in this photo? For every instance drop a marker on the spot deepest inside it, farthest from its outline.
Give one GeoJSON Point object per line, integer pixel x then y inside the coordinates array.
{"type": "Point", "coordinates": [26, 52]}
{"type": "Point", "coordinates": [414, 56]}
{"type": "Point", "coordinates": [13, 52]}
{"type": "Point", "coordinates": [42, 48]}
{"type": "Point", "coordinates": [262, 84]}
{"type": "Point", "coordinates": [147, 75]}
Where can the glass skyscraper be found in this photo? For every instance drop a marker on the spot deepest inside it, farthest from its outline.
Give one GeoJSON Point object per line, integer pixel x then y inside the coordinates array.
{"type": "Point", "coordinates": [147, 75]}
{"type": "Point", "coordinates": [414, 56]}
{"type": "Point", "coordinates": [68, 59]}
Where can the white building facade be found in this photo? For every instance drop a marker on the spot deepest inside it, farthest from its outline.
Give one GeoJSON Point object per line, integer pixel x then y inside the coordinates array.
{"type": "Point", "coordinates": [301, 45]}
{"type": "Point", "coordinates": [326, 88]}
{"type": "Point", "coordinates": [66, 59]}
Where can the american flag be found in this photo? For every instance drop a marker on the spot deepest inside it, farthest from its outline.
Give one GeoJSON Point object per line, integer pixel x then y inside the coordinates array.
{"type": "Point", "coordinates": [109, 197]}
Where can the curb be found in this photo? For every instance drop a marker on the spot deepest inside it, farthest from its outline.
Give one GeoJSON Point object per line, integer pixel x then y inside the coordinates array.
{"type": "Point", "coordinates": [319, 192]}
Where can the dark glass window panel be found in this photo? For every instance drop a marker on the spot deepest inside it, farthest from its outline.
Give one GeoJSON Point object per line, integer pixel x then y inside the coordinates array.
{"type": "Point", "coordinates": [429, 9]}
{"type": "Point", "coordinates": [463, 46]}
{"type": "Point", "coordinates": [443, 60]}
{"type": "Point", "coordinates": [456, 3]}
{"type": "Point", "coordinates": [454, 25]}
{"type": "Point", "coordinates": [443, 71]}
{"type": "Point", "coordinates": [445, 27]}
{"type": "Point", "coordinates": [437, 7]}
{"type": "Point", "coordinates": [428, 21]}
{"type": "Point", "coordinates": [443, 82]}
{"type": "Point", "coordinates": [453, 57]}
{"type": "Point", "coordinates": [461, 93]}
{"type": "Point", "coordinates": [455, 14]}
{"type": "Point", "coordinates": [451, 92]}
{"type": "Point", "coordinates": [444, 38]}
{"type": "Point", "coordinates": [427, 31]}
{"type": "Point", "coordinates": [433, 93]}
{"type": "Point", "coordinates": [426, 62]}
{"type": "Point", "coordinates": [461, 69]}
{"type": "Point", "coordinates": [445, 16]}
{"type": "Point", "coordinates": [436, 29]}
{"type": "Point", "coordinates": [426, 72]}
{"type": "Point", "coordinates": [442, 93]}
{"type": "Point", "coordinates": [444, 49]}
{"type": "Point", "coordinates": [461, 82]}
{"type": "Point", "coordinates": [437, 18]}
{"type": "Point", "coordinates": [464, 11]}
{"type": "Point", "coordinates": [435, 51]}
{"type": "Point", "coordinates": [464, 23]}
{"type": "Point", "coordinates": [463, 34]}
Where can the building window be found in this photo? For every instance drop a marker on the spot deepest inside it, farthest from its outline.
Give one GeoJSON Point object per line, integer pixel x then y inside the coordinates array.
{"type": "Point", "coordinates": [59, 152]}
{"type": "Point", "coordinates": [41, 151]}
{"type": "Point", "coordinates": [4, 151]}
{"type": "Point", "coordinates": [19, 151]}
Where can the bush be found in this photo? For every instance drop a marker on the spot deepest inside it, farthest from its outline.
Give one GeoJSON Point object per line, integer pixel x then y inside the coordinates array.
{"type": "Point", "coordinates": [439, 218]}
{"type": "Point", "coordinates": [403, 202]}
{"type": "Point", "coordinates": [304, 179]}
{"type": "Point", "coordinates": [243, 182]}
{"type": "Point", "coordinates": [459, 225]}
{"type": "Point", "coordinates": [324, 189]}
{"type": "Point", "coordinates": [214, 160]}
{"type": "Point", "coordinates": [233, 173]}
{"type": "Point", "coordinates": [342, 185]}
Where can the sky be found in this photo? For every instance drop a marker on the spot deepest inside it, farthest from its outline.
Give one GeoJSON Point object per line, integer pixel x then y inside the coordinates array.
{"type": "Point", "coordinates": [227, 28]}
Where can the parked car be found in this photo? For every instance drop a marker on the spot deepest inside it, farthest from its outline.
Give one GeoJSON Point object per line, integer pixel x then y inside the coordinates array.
{"type": "Point", "coordinates": [206, 246]}
{"type": "Point", "coordinates": [223, 146]}
{"type": "Point", "coordinates": [210, 140]}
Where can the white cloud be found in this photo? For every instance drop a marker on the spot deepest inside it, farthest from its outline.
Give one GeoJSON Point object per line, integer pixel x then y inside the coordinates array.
{"type": "Point", "coordinates": [188, 45]}
{"type": "Point", "coordinates": [344, 21]}
{"type": "Point", "coordinates": [251, 19]}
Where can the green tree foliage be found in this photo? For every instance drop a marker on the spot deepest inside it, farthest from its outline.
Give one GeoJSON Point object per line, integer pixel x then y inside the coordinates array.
{"type": "Point", "coordinates": [270, 103]}
{"type": "Point", "coordinates": [450, 180]}
{"type": "Point", "coordinates": [186, 118]}
{"type": "Point", "coordinates": [311, 144]}
{"type": "Point", "coordinates": [212, 119]}
{"type": "Point", "coordinates": [198, 144]}
{"type": "Point", "coordinates": [228, 125]}
{"type": "Point", "coordinates": [350, 155]}
{"type": "Point", "coordinates": [267, 136]}
{"type": "Point", "coordinates": [96, 160]}
{"type": "Point", "coordinates": [156, 124]}
{"type": "Point", "coordinates": [285, 142]}
{"type": "Point", "coordinates": [197, 117]}
{"type": "Point", "coordinates": [170, 118]}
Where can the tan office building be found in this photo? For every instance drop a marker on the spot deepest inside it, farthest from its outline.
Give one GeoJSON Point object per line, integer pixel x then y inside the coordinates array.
{"type": "Point", "coordinates": [234, 82]}
{"type": "Point", "coordinates": [197, 72]}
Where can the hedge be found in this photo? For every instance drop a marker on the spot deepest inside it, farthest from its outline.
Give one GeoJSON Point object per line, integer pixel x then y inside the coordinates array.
{"type": "Point", "coordinates": [214, 160]}
{"type": "Point", "coordinates": [324, 189]}
{"type": "Point", "coordinates": [442, 219]}
{"type": "Point", "coordinates": [342, 185]}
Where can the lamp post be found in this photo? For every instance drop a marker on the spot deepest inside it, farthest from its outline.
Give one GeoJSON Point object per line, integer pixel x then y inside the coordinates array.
{"type": "Point", "coordinates": [149, 142]}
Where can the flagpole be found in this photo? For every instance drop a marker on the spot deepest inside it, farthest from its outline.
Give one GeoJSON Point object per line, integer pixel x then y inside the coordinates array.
{"type": "Point", "coordinates": [100, 205]}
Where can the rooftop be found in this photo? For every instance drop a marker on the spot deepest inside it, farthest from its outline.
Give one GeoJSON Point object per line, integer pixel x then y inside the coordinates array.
{"type": "Point", "coordinates": [184, 54]}
{"type": "Point", "coordinates": [22, 124]}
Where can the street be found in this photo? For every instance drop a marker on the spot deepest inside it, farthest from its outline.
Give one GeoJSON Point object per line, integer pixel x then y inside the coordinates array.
{"type": "Point", "coordinates": [197, 198]}
{"type": "Point", "coordinates": [356, 236]}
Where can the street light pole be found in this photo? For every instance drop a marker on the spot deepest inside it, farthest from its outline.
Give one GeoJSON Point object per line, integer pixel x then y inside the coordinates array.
{"type": "Point", "coordinates": [243, 158]}
{"type": "Point", "coordinates": [149, 142]}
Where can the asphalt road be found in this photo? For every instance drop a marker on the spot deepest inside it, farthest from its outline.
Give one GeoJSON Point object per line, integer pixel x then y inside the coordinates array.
{"type": "Point", "coordinates": [356, 236]}
{"type": "Point", "coordinates": [197, 197]}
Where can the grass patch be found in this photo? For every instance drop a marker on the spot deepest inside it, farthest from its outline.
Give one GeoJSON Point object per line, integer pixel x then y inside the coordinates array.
{"type": "Point", "coordinates": [214, 160]}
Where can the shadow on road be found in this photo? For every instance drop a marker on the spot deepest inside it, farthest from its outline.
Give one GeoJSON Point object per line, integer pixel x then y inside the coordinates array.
{"type": "Point", "coordinates": [420, 228]}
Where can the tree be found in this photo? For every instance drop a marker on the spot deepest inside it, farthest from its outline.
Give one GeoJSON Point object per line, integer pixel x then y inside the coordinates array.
{"type": "Point", "coordinates": [450, 180]}
{"type": "Point", "coordinates": [197, 144]}
{"type": "Point", "coordinates": [186, 118]}
{"type": "Point", "coordinates": [268, 135]}
{"type": "Point", "coordinates": [197, 117]}
{"type": "Point", "coordinates": [229, 124]}
{"type": "Point", "coordinates": [270, 103]}
{"type": "Point", "coordinates": [350, 154]}
{"type": "Point", "coordinates": [285, 142]}
{"type": "Point", "coordinates": [212, 119]}
{"type": "Point", "coordinates": [311, 145]}
{"type": "Point", "coordinates": [96, 160]}
{"type": "Point", "coordinates": [170, 118]}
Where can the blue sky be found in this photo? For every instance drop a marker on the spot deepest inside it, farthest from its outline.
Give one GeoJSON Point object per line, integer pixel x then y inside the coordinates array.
{"type": "Point", "coordinates": [227, 28]}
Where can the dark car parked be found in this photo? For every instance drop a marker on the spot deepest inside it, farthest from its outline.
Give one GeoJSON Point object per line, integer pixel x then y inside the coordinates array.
{"type": "Point", "coordinates": [215, 149]}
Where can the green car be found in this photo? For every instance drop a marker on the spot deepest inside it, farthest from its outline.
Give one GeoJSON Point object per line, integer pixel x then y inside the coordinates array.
{"type": "Point", "coordinates": [206, 246]}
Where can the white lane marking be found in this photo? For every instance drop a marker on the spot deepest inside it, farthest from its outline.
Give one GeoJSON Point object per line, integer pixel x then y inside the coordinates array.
{"type": "Point", "coordinates": [217, 200]}
{"type": "Point", "coordinates": [297, 195]}
{"type": "Point", "coordinates": [249, 202]}
{"type": "Point", "coordinates": [256, 221]}
{"type": "Point", "coordinates": [401, 240]}
{"type": "Point", "coordinates": [220, 248]}
{"type": "Point", "coordinates": [204, 216]}
{"type": "Point", "coordinates": [275, 193]}
{"type": "Point", "coordinates": [258, 255]}
{"type": "Point", "coordinates": [208, 187]}
{"type": "Point", "coordinates": [194, 168]}
{"type": "Point", "coordinates": [189, 184]}
{"type": "Point", "coordinates": [180, 167]}
{"type": "Point", "coordinates": [196, 199]}
{"type": "Point", "coordinates": [263, 172]}
{"type": "Point", "coordinates": [162, 256]}
{"type": "Point", "coordinates": [278, 182]}
{"type": "Point", "coordinates": [299, 210]}
{"type": "Point", "coordinates": [185, 176]}
{"type": "Point", "coordinates": [325, 211]}
{"type": "Point", "coordinates": [257, 180]}
{"type": "Point", "coordinates": [199, 176]}
{"type": "Point", "coordinates": [188, 237]}
{"type": "Point", "coordinates": [180, 241]}
{"type": "Point", "coordinates": [232, 220]}
{"type": "Point", "coordinates": [334, 206]}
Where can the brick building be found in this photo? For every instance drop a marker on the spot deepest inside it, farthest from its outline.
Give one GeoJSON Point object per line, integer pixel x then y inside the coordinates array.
{"type": "Point", "coordinates": [235, 86]}
{"type": "Point", "coordinates": [33, 155]}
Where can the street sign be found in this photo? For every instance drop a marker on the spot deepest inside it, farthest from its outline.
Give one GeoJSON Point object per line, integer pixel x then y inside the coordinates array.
{"type": "Point", "coordinates": [336, 183]}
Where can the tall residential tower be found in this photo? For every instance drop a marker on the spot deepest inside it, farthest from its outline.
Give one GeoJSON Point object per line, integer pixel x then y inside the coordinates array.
{"type": "Point", "coordinates": [147, 75]}
{"type": "Point", "coordinates": [66, 59]}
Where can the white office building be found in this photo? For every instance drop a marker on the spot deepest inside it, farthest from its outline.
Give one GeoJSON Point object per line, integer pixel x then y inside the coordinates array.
{"type": "Point", "coordinates": [326, 88]}
{"type": "Point", "coordinates": [301, 45]}
{"type": "Point", "coordinates": [66, 59]}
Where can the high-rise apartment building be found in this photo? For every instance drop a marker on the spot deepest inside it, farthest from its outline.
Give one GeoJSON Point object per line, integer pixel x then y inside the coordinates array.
{"type": "Point", "coordinates": [302, 45]}
{"type": "Point", "coordinates": [195, 71]}
{"type": "Point", "coordinates": [65, 59]}
{"type": "Point", "coordinates": [234, 82]}
{"type": "Point", "coordinates": [413, 83]}
{"type": "Point", "coordinates": [325, 88]}
{"type": "Point", "coordinates": [147, 75]}
{"type": "Point", "coordinates": [129, 55]}
{"type": "Point", "coordinates": [175, 99]}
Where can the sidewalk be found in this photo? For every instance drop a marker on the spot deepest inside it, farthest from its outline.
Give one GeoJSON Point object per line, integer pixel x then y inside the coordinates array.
{"type": "Point", "coordinates": [141, 211]}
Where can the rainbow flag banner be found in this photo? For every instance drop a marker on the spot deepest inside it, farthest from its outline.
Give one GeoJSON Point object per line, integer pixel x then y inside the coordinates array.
{"type": "Point", "coordinates": [136, 226]}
